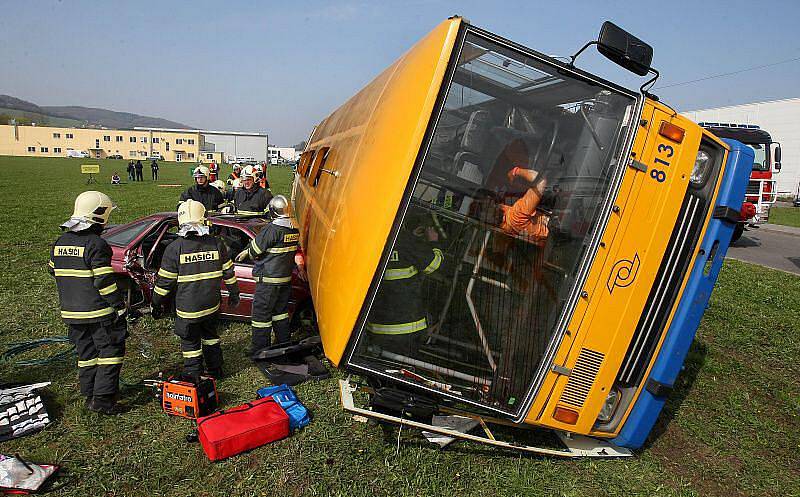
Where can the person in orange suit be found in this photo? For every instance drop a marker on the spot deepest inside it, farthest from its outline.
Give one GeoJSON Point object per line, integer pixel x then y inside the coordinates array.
{"type": "Point", "coordinates": [521, 218]}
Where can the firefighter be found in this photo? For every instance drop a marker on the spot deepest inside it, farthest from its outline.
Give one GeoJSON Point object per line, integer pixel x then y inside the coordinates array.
{"type": "Point", "coordinates": [202, 191]}
{"type": "Point", "coordinates": [398, 319]}
{"type": "Point", "coordinates": [219, 185]}
{"type": "Point", "coordinates": [191, 269]}
{"type": "Point", "coordinates": [273, 251]}
{"type": "Point", "coordinates": [237, 171]}
{"type": "Point", "coordinates": [92, 306]}
{"type": "Point", "coordinates": [262, 175]}
{"type": "Point", "coordinates": [251, 199]}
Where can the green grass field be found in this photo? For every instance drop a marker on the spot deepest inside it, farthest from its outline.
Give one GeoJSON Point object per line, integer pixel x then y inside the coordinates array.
{"type": "Point", "coordinates": [787, 216]}
{"type": "Point", "coordinates": [732, 426]}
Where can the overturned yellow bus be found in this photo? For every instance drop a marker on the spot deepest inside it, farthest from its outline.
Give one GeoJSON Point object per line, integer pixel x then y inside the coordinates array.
{"type": "Point", "coordinates": [498, 232]}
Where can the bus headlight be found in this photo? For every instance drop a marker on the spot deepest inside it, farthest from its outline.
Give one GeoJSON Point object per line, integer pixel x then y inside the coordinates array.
{"type": "Point", "coordinates": [609, 407]}
{"type": "Point", "coordinates": [702, 165]}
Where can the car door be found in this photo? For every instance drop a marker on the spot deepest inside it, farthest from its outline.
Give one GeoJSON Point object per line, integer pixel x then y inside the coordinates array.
{"type": "Point", "coordinates": [236, 239]}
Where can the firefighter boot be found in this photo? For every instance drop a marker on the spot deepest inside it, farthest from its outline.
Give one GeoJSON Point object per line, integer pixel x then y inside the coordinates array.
{"type": "Point", "coordinates": [104, 404]}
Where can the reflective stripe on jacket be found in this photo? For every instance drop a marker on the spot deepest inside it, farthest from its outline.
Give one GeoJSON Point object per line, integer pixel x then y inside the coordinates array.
{"type": "Point", "coordinates": [192, 268]}
{"type": "Point", "coordinates": [273, 250]}
{"type": "Point", "coordinates": [399, 308]}
{"type": "Point", "coordinates": [87, 286]}
{"type": "Point", "coordinates": [253, 202]}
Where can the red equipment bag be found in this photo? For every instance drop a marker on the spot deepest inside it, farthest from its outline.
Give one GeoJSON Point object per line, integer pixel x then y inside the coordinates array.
{"type": "Point", "coordinates": [241, 428]}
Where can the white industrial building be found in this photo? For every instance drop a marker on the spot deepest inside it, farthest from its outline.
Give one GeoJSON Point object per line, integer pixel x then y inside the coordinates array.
{"type": "Point", "coordinates": [278, 155]}
{"type": "Point", "coordinates": [232, 144]}
{"type": "Point", "coordinates": [253, 145]}
{"type": "Point", "coordinates": [780, 118]}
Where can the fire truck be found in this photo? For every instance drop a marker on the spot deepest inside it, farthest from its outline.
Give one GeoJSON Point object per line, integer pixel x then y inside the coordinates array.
{"type": "Point", "coordinates": [762, 190]}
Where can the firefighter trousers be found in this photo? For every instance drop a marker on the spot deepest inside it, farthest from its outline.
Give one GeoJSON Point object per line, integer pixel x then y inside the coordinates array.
{"type": "Point", "coordinates": [199, 340]}
{"type": "Point", "coordinates": [270, 313]}
{"type": "Point", "coordinates": [101, 349]}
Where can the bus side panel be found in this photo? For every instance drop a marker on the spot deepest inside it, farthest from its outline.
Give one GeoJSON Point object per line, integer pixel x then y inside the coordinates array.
{"type": "Point", "coordinates": [692, 304]}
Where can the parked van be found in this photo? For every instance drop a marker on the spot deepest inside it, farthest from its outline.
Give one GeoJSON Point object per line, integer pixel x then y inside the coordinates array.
{"type": "Point", "coordinates": [80, 154]}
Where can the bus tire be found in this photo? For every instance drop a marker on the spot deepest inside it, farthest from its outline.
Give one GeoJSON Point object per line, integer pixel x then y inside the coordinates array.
{"type": "Point", "coordinates": [737, 232]}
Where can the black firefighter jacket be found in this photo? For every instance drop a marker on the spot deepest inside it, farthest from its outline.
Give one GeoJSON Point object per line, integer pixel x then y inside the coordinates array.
{"type": "Point", "coordinates": [273, 249]}
{"type": "Point", "coordinates": [399, 307]}
{"type": "Point", "coordinates": [207, 195]}
{"type": "Point", "coordinates": [87, 287]}
{"type": "Point", "coordinates": [192, 268]}
{"type": "Point", "coordinates": [252, 202]}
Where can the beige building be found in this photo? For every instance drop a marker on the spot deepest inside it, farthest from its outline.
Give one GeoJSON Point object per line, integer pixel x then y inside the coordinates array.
{"type": "Point", "coordinates": [209, 157]}
{"type": "Point", "coordinates": [45, 141]}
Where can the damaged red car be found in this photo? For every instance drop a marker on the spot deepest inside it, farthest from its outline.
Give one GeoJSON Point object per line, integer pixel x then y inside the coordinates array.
{"type": "Point", "coordinates": [138, 247]}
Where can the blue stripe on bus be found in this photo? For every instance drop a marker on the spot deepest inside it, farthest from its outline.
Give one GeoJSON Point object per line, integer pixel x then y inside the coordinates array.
{"type": "Point", "coordinates": [693, 301]}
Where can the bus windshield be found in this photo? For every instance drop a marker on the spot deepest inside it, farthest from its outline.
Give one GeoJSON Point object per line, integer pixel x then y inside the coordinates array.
{"type": "Point", "coordinates": [520, 164]}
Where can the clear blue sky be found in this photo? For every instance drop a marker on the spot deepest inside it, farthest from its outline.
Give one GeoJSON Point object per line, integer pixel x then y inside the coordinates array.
{"type": "Point", "coordinates": [282, 66]}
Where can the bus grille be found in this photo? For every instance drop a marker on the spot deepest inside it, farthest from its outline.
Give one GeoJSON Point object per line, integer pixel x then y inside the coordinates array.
{"type": "Point", "coordinates": [582, 377]}
{"type": "Point", "coordinates": [662, 297]}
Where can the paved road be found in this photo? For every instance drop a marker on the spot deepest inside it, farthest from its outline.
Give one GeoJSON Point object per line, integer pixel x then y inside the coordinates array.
{"type": "Point", "coordinates": [770, 245]}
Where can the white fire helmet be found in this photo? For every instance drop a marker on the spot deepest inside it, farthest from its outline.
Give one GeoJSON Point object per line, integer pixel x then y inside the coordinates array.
{"type": "Point", "coordinates": [191, 212]}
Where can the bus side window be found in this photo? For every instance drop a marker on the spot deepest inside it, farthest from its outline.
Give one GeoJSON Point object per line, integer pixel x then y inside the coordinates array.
{"type": "Point", "coordinates": [319, 164]}
{"type": "Point", "coordinates": [306, 158]}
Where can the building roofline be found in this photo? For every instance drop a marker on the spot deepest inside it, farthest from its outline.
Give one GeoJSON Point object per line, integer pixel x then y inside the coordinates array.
{"type": "Point", "coordinates": [202, 131]}
{"type": "Point", "coordinates": [777, 100]}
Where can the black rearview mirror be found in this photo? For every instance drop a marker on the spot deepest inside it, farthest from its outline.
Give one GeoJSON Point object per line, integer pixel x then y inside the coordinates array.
{"type": "Point", "coordinates": [624, 49]}
{"type": "Point", "coordinates": [778, 154]}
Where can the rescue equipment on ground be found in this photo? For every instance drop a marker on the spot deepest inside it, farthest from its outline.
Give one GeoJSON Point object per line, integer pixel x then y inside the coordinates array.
{"type": "Point", "coordinates": [293, 363]}
{"type": "Point", "coordinates": [22, 411]}
{"type": "Point", "coordinates": [242, 428]}
{"type": "Point", "coordinates": [185, 396]}
{"type": "Point", "coordinates": [18, 476]}
{"type": "Point", "coordinates": [286, 397]}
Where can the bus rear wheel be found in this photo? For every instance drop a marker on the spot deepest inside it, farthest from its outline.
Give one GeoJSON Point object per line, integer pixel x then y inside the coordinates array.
{"type": "Point", "coordinates": [737, 232]}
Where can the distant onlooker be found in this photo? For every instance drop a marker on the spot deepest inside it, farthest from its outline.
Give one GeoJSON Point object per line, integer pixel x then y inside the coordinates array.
{"type": "Point", "coordinates": [139, 168]}
{"type": "Point", "coordinates": [213, 171]}
{"type": "Point", "coordinates": [115, 178]}
{"type": "Point", "coordinates": [131, 170]}
{"type": "Point", "coordinates": [154, 169]}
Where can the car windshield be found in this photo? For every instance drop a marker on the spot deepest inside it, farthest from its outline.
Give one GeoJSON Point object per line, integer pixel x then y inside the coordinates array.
{"type": "Point", "coordinates": [521, 162]}
{"type": "Point", "coordinates": [121, 237]}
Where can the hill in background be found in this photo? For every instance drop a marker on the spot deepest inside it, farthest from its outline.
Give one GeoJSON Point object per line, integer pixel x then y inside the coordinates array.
{"type": "Point", "coordinates": [26, 112]}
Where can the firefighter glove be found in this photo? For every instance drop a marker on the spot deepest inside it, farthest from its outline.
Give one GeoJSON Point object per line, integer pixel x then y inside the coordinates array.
{"type": "Point", "coordinates": [233, 299]}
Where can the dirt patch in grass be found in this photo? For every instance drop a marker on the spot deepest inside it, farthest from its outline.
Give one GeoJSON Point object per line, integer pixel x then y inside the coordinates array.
{"type": "Point", "coordinates": [690, 460]}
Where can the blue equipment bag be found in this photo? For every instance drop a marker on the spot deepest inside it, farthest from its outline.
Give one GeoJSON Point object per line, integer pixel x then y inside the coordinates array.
{"type": "Point", "coordinates": [287, 399]}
